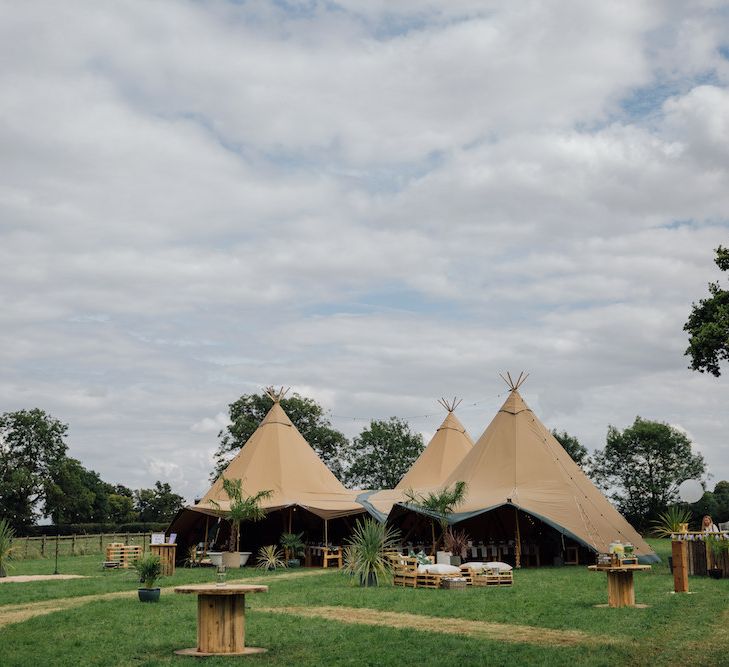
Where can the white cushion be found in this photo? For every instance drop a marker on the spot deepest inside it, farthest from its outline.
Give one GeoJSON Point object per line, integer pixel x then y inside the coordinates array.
{"type": "Point", "coordinates": [496, 565]}
{"type": "Point", "coordinates": [442, 569]}
{"type": "Point", "coordinates": [423, 568]}
{"type": "Point", "coordinates": [474, 566]}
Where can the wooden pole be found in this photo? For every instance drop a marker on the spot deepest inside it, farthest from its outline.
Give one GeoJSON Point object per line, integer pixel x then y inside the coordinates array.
{"type": "Point", "coordinates": [326, 532]}
{"type": "Point", "coordinates": [205, 539]}
{"type": "Point", "coordinates": [679, 553]}
{"type": "Point", "coordinates": [517, 545]}
{"type": "Point", "coordinates": [291, 513]}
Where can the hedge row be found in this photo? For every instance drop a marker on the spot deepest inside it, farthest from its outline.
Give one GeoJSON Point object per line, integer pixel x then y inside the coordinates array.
{"type": "Point", "coordinates": [93, 529]}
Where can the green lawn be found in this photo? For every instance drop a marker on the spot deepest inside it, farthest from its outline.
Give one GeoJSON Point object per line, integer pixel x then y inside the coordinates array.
{"type": "Point", "coordinates": [675, 629]}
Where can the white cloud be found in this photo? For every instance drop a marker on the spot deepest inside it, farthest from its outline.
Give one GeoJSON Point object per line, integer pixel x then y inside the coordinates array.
{"type": "Point", "coordinates": [374, 203]}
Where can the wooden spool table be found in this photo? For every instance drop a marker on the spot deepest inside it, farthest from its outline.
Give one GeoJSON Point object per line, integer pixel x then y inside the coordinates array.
{"type": "Point", "coordinates": [166, 553]}
{"type": "Point", "coordinates": [621, 590]}
{"type": "Point", "coordinates": [220, 619]}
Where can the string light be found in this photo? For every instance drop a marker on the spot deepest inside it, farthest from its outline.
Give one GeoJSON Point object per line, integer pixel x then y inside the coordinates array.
{"type": "Point", "coordinates": [464, 406]}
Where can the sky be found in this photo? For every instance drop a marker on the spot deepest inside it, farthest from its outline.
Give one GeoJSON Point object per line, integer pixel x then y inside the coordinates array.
{"type": "Point", "coordinates": [376, 203]}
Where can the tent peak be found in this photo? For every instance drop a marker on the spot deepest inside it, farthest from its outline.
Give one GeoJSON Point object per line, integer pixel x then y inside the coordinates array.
{"type": "Point", "coordinates": [450, 406]}
{"type": "Point", "coordinates": [514, 384]}
{"type": "Point", "coordinates": [276, 395]}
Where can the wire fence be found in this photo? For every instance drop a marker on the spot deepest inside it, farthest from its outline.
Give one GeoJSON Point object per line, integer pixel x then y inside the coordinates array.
{"type": "Point", "coordinates": [73, 545]}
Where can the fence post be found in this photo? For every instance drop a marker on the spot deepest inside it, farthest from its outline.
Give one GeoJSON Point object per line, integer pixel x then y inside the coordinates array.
{"type": "Point", "coordinates": [43, 546]}
{"type": "Point", "coordinates": [26, 546]}
{"type": "Point", "coordinates": [73, 545]}
{"type": "Point", "coordinates": [127, 540]}
{"type": "Point", "coordinates": [101, 542]}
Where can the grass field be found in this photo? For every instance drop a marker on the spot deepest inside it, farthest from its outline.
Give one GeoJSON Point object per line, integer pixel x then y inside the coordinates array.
{"type": "Point", "coordinates": [317, 617]}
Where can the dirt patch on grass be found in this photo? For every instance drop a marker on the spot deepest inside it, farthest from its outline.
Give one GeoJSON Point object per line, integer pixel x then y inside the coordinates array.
{"type": "Point", "coordinates": [17, 613]}
{"type": "Point", "coordinates": [451, 626]}
{"type": "Point", "coordinates": [21, 578]}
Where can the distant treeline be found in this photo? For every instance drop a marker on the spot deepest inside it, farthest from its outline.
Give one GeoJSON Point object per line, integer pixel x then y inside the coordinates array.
{"type": "Point", "coordinates": [93, 529]}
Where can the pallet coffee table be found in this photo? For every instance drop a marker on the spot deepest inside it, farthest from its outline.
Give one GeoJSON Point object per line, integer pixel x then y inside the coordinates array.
{"type": "Point", "coordinates": [220, 619]}
{"type": "Point", "coordinates": [621, 590]}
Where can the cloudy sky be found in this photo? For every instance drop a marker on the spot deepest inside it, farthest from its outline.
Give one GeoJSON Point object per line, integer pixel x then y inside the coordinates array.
{"type": "Point", "coordinates": [375, 202]}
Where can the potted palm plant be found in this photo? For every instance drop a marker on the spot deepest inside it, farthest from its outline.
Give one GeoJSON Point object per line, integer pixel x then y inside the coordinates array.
{"type": "Point", "coordinates": [6, 546]}
{"type": "Point", "coordinates": [364, 555]}
{"type": "Point", "coordinates": [456, 542]}
{"type": "Point", "coordinates": [438, 505]}
{"type": "Point", "coordinates": [293, 546]}
{"type": "Point", "coordinates": [149, 569]}
{"type": "Point", "coordinates": [242, 508]}
{"type": "Point", "coordinates": [716, 546]}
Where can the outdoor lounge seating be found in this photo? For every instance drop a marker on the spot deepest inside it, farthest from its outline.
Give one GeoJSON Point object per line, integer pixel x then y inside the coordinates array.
{"type": "Point", "coordinates": [488, 574]}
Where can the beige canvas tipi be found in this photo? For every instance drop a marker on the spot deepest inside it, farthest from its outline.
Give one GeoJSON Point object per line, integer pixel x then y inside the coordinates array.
{"type": "Point", "coordinates": [518, 462]}
{"type": "Point", "coordinates": [444, 452]}
{"type": "Point", "coordinates": [278, 458]}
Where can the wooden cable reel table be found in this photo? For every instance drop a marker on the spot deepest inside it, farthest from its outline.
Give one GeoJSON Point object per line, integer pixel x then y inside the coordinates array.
{"type": "Point", "coordinates": [621, 590]}
{"type": "Point", "coordinates": [220, 619]}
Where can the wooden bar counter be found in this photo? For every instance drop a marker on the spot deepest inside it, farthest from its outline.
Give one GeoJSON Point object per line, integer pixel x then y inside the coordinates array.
{"type": "Point", "coordinates": [621, 590]}
{"type": "Point", "coordinates": [166, 553]}
{"type": "Point", "coordinates": [220, 619]}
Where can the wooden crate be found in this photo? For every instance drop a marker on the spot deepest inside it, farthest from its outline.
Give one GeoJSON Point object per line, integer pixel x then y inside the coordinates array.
{"type": "Point", "coordinates": [166, 553]}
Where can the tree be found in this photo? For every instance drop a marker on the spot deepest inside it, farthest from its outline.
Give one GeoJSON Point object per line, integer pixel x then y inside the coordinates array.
{"type": "Point", "coordinates": [75, 494]}
{"type": "Point", "coordinates": [306, 414]}
{"type": "Point", "coordinates": [714, 503]}
{"type": "Point", "coordinates": [382, 454]}
{"type": "Point", "coordinates": [572, 446]}
{"type": "Point", "coordinates": [31, 443]}
{"type": "Point", "coordinates": [708, 325]}
{"type": "Point", "coordinates": [158, 504]}
{"type": "Point", "coordinates": [242, 508]}
{"type": "Point", "coordinates": [439, 505]}
{"type": "Point", "coordinates": [643, 466]}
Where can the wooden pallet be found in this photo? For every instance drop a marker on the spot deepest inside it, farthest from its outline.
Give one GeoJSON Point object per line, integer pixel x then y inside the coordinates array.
{"type": "Point", "coordinates": [492, 578]}
{"type": "Point", "coordinates": [123, 554]}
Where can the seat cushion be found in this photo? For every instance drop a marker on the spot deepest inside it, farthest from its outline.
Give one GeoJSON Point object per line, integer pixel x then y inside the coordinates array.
{"type": "Point", "coordinates": [442, 569]}
{"type": "Point", "coordinates": [496, 565]}
{"type": "Point", "coordinates": [478, 566]}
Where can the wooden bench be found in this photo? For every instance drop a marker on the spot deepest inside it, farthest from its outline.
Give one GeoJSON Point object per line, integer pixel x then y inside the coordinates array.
{"type": "Point", "coordinates": [491, 577]}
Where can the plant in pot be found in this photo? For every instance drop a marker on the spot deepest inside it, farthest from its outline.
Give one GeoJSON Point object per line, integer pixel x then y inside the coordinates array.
{"type": "Point", "coordinates": [293, 546]}
{"type": "Point", "coordinates": [717, 546]}
{"type": "Point", "coordinates": [270, 558]}
{"type": "Point", "coordinates": [364, 555]}
{"type": "Point", "coordinates": [149, 569]}
{"type": "Point", "coordinates": [438, 505]}
{"type": "Point", "coordinates": [6, 546]}
{"type": "Point", "coordinates": [456, 542]}
{"type": "Point", "coordinates": [669, 522]}
{"type": "Point", "coordinates": [242, 508]}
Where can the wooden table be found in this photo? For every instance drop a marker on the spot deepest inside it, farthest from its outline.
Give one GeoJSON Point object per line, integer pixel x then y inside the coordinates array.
{"type": "Point", "coordinates": [621, 590]}
{"type": "Point", "coordinates": [326, 554]}
{"type": "Point", "coordinates": [166, 553]}
{"type": "Point", "coordinates": [220, 619]}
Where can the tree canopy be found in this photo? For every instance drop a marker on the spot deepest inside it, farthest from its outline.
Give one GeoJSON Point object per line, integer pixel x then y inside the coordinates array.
{"type": "Point", "coordinates": [380, 455]}
{"type": "Point", "coordinates": [306, 414]}
{"type": "Point", "coordinates": [572, 446]}
{"type": "Point", "coordinates": [31, 444]}
{"type": "Point", "coordinates": [643, 465]}
{"type": "Point", "coordinates": [708, 325]}
{"type": "Point", "coordinates": [159, 503]}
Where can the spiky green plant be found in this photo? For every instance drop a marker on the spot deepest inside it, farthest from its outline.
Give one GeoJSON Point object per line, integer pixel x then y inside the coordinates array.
{"type": "Point", "coordinates": [149, 570]}
{"type": "Point", "coordinates": [6, 546]}
{"type": "Point", "coordinates": [242, 508]}
{"type": "Point", "coordinates": [670, 521]}
{"type": "Point", "coordinates": [270, 558]}
{"type": "Point", "coordinates": [293, 544]}
{"type": "Point", "coordinates": [364, 554]}
{"type": "Point", "coordinates": [439, 505]}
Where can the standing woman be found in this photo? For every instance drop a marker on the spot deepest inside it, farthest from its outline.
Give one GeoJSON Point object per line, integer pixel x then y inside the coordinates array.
{"type": "Point", "coordinates": [708, 526]}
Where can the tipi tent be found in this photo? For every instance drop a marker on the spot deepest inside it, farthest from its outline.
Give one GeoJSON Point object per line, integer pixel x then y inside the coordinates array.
{"type": "Point", "coordinates": [444, 452]}
{"type": "Point", "coordinates": [278, 458]}
{"type": "Point", "coordinates": [517, 463]}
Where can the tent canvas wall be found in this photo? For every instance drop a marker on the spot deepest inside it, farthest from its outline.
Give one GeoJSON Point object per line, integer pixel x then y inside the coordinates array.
{"type": "Point", "coordinates": [277, 458]}
{"type": "Point", "coordinates": [518, 462]}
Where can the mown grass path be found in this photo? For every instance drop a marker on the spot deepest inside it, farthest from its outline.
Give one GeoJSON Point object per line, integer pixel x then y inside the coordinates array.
{"type": "Point", "coordinates": [508, 632]}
